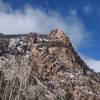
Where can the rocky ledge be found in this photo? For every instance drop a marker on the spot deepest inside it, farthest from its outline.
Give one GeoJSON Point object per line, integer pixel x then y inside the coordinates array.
{"type": "Point", "coordinates": [44, 67]}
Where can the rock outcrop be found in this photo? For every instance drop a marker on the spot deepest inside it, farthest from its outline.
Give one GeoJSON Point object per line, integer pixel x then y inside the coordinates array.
{"type": "Point", "coordinates": [44, 67]}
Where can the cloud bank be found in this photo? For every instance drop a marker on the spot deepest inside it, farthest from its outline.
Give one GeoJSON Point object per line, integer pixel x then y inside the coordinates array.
{"type": "Point", "coordinates": [36, 20]}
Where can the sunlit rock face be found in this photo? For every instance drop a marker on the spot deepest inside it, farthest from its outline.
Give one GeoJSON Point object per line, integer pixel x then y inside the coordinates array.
{"type": "Point", "coordinates": [44, 67]}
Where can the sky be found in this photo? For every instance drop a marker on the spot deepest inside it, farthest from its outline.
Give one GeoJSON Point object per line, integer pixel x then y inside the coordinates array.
{"type": "Point", "coordinates": [79, 19]}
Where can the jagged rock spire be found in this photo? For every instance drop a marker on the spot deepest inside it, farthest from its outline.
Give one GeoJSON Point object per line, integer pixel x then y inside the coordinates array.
{"type": "Point", "coordinates": [59, 35]}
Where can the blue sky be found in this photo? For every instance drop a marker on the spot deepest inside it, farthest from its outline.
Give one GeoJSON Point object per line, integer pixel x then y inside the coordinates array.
{"type": "Point", "coordinates": [80, 18]}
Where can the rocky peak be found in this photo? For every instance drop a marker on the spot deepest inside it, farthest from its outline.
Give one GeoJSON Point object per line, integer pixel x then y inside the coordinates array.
{"type": "Point", "coordinates": [59, 35]}
{"type": "Point", "coordinates": [44, 67]}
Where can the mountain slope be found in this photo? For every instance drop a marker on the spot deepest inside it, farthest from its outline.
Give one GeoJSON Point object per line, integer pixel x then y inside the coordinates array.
{"type": "Point", "coordinates": [44, 67]}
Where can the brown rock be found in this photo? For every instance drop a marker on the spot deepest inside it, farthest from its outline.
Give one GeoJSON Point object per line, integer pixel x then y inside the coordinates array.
{"type": "Point", "coordinates": [49, 69]}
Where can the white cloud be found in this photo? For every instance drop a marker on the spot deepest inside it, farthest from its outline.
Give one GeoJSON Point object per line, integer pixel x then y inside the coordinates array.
{"type": "Point", "coordinates": [92, 9]}
{"type": "Point", "coordinates": [36, 20]}
{"type": "Point", "coordinates": [92, 63]}
{"type": "Point", "coordinates": [87, 9]}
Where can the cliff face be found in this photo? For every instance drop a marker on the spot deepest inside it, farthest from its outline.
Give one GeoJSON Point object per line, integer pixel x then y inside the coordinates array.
{"type": "Point", "coordinates": [44, 67]}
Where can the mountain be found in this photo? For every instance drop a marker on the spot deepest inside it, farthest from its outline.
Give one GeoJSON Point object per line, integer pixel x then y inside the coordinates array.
{"type": "Point", "coordinates": [44, 67]}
